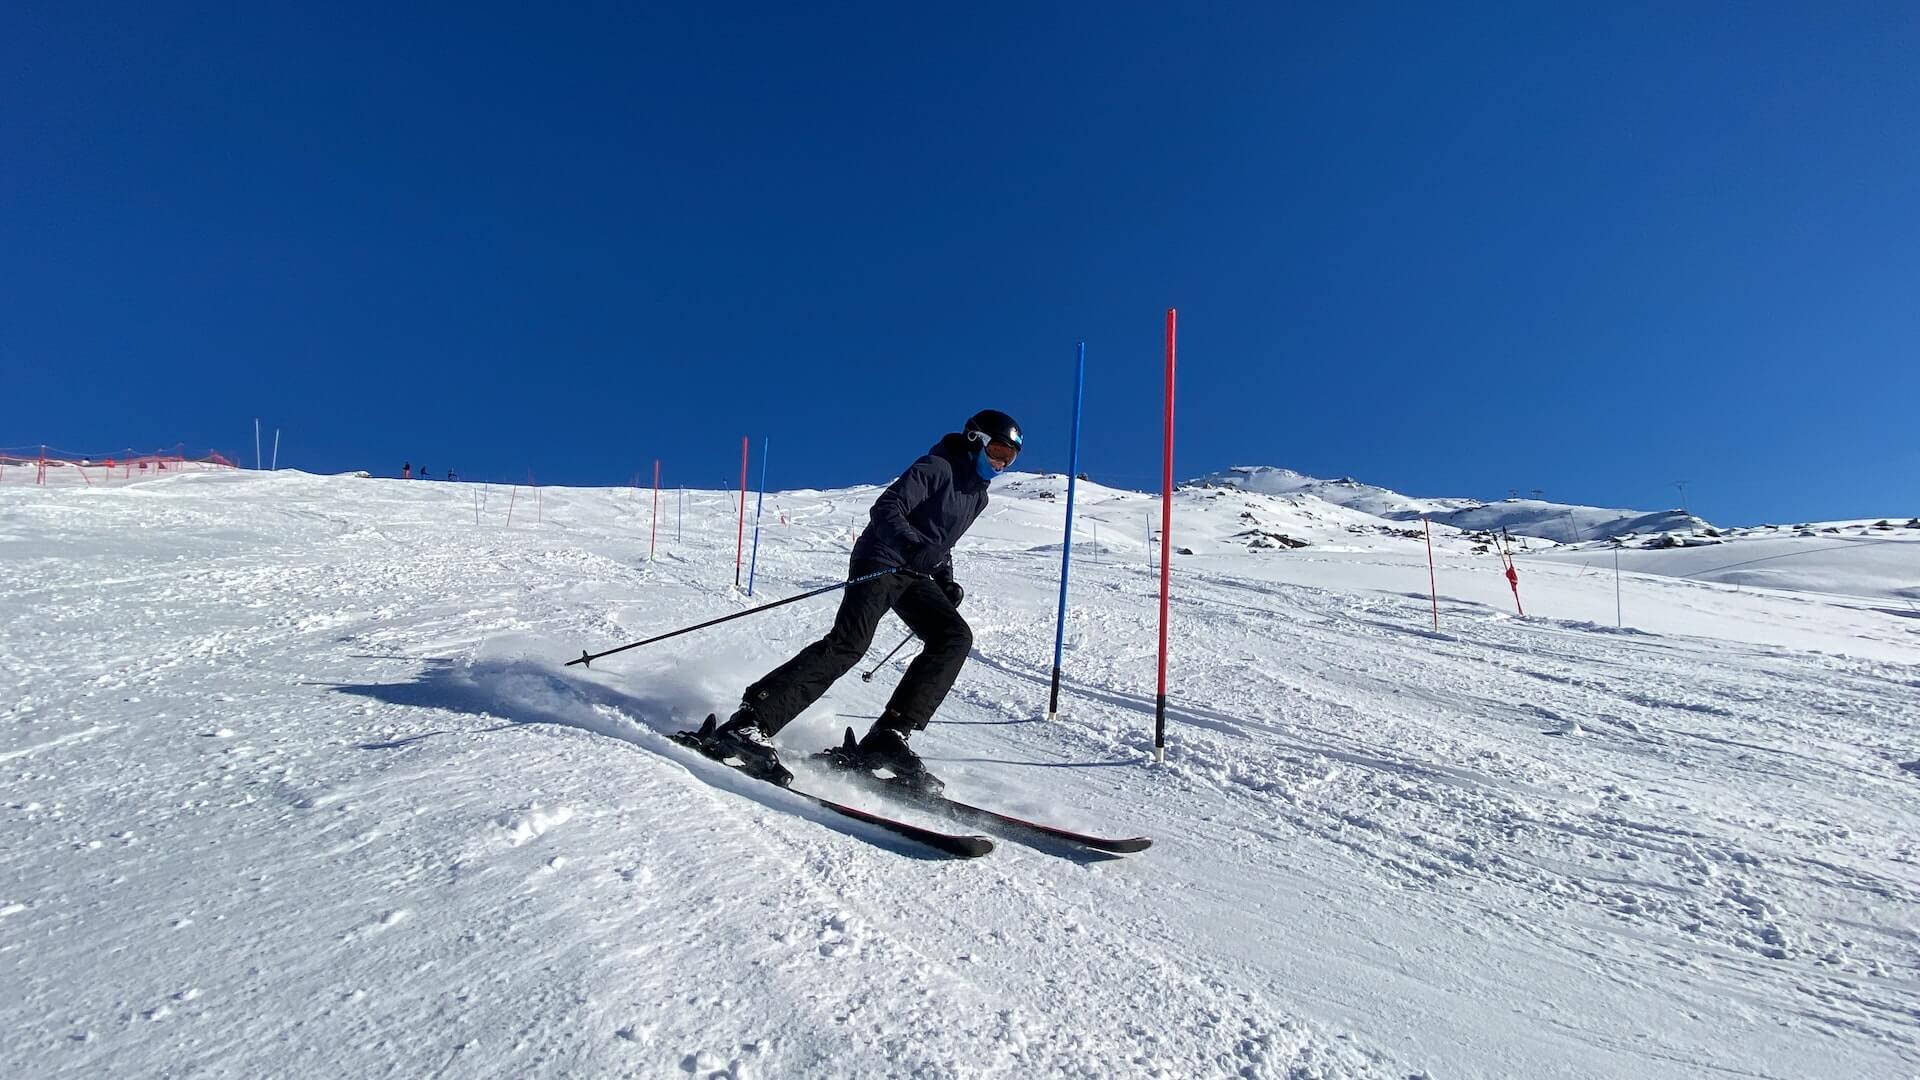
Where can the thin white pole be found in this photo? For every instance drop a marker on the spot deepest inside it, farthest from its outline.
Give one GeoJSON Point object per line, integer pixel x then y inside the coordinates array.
{"type": "Point", "coordinates": [256, 444]}
{"type": "Point", "coordinates": [276, 450]}
{"type": "Point", "coordinates": [1433, 584]}
{"type": "Point", "coordinates": [1618, 622]}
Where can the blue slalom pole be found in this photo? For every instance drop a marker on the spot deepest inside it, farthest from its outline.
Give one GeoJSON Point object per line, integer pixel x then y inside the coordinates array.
{"type": "Point", "coordinates": [1066, 548]}
{"type": "Point", "coordinates": [757, 504]}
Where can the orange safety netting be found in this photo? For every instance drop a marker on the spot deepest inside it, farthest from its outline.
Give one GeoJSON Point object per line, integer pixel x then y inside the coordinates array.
{"type": "Point", "coordinates": [42, 465]}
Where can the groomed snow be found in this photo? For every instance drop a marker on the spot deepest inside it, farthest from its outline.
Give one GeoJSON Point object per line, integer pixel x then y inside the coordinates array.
{"type": "Point", "coordinates": [292, 782]}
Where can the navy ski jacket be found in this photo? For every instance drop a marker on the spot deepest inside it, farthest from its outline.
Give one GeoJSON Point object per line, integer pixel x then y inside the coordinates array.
{"type": "Point", "coordinates": [916, 522]}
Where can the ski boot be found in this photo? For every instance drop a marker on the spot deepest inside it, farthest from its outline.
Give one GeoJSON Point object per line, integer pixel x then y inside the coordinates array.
{"type": "Point", "coordinates": [851, 756]}
{"type": "Point", "coordinates": [886, 748]}
{"type": "Point", "coordinates": [741, 739]}
{"type": "Point", "coordinates": [846, 756]}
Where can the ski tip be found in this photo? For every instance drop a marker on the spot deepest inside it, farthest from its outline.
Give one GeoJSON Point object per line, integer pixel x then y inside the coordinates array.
{"type": "Point", "coordinates": [712, 723]}
{"type": "Point", "coordinates": [850, 743]}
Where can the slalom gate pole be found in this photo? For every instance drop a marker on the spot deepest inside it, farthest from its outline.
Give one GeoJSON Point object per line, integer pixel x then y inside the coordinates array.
{"type": "Point", "coordinates": [1618, 619]}
{"type": "Point", "coordinates": [1513, 573]}
{"type": "Point", "coordinates": [654, 536]}
{"type": "Point", "coordinates": [759, 504]}
{"type": "Point", "coordinates": [1433, 584]}
{"type": "Point", "coordinates": [868, 676]}
{"type": "Point", "coordinates": [586, 658]}
{"type": "Point", "coordinates": [740, 541]}
{"type": "Point", "coordinates": [1166, 557]}
{"type": "Point", "coordinates": [1066, 546]}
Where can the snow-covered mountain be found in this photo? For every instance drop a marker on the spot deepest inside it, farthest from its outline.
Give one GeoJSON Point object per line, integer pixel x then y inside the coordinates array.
{"type": "Point", "coordinates": [295, 783]}
{"type": "Point", "coordinates": [1560, 522]}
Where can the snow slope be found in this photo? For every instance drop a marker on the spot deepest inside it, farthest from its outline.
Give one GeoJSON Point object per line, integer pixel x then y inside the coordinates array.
{"type": "Point", "coordinates": [1562, 522]}
{"type": "Point", "coordinates": [294, 784]}
{"type": "Point", "coordinates": [1859, 558]}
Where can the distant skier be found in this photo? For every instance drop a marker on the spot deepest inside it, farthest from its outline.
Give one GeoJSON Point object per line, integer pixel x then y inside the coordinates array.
{"type": "Point", "coordinates": [406, 470]}
{"type": "Point", "coordinates": [914, 525]}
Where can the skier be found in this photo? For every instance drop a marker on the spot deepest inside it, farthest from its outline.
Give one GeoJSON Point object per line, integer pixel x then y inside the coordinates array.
{"type": "Point", "coordinates": [914, 525]}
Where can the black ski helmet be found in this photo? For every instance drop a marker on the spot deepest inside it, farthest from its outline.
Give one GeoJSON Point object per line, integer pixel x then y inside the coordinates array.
{"type": "Point", "coordinates": [994, 425]}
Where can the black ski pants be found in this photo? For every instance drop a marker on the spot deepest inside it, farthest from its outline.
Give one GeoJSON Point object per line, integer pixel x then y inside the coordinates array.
{"type": "Point", "coordinates": [786, 691]}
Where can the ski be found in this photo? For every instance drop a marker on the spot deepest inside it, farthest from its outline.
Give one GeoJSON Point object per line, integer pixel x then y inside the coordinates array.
{"type": "Point", "coordinates": [976, 815]}
{"type": "Point", "coordinates": [980, 815]}
{"type": "Point", "coordinates": [957, 845]}
{"type": "Point", "coordinates": [960, 846]}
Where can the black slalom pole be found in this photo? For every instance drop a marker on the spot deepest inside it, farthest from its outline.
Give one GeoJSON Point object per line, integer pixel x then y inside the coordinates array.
{"type": "Point", "coordinates": [868, 676]}
{"type": "Point", "coordinates": [586, 659]}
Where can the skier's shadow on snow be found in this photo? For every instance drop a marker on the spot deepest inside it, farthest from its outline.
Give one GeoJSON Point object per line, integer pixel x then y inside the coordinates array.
{"type": "Point", "coordinates": [1213, 720]}
{"type": "Point", "coordinates": [524, 695]}
{"type": "Point", "coordinates": [1114, 764]}
{"type": "Point", "coordinates": [954, 723]}
{"type": "Point", "coordinates": [1004, 761]}
{"type": "Point", "coordinates": [516, 693]}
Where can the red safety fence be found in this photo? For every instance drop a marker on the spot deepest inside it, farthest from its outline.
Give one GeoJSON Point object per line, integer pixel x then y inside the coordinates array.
{"type": "Point", "coordinates": [42, 465]}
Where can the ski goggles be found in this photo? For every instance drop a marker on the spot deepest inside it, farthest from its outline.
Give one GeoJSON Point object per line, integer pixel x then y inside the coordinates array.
{"type": "Point", "coordinates": [1000, 453]}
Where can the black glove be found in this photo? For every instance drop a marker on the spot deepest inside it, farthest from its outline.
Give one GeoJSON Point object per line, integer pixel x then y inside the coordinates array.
{"type": "Point", "coordinates": [924, 560]}
{"type": "Point", "coordinates": [952, 589]}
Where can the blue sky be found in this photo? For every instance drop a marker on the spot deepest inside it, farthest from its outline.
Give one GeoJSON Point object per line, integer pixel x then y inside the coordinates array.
{"type": "Point", "coordinates": [1449, 249]}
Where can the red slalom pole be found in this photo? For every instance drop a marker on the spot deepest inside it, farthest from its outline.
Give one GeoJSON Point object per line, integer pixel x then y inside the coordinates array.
{"type": "Point", "coordinates": [1502, 545]}
{"type": "Point", "coordinates": [1166, 557]}
{"type": "Point", "coordinates": [1433, 583]}
{"type": "Point", "coordinates": [1513, 580]}
{"type": "Point", "coordinates": [656, 508]}
{"type": "Point", "coordinates": [740, 544]}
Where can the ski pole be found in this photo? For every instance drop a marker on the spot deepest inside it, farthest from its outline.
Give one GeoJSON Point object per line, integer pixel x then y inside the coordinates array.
{"type": "Point", "coordinates": [868, 677]}
{"type": "Point", "coordinates": [586, 658]}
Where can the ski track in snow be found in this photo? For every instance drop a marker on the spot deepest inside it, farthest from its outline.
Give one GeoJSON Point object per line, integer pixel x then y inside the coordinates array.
{"type": "Point", "coordinates": [295, 784]}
